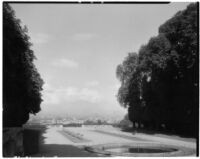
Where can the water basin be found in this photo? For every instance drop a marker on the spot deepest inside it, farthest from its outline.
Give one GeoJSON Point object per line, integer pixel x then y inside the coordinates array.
{"type": "Point", "coordinates": [141, 150]}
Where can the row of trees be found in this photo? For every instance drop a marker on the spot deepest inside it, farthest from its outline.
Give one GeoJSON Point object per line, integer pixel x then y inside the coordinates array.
{"type": "Point", "coordinates": [159, 84]}
{"type": "Point", "coordinates": [22, 84]}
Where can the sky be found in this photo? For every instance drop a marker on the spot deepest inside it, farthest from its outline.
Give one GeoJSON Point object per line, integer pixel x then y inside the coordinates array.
{"type": "Point", "coordinates": [78, 47]}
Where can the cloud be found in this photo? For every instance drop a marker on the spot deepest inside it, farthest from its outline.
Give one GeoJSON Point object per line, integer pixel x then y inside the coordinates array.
{"type": "Point", "coordinates": [70, 94]}
{"type": "Point", "coordinates": [67, 63]}
{"type": "Point", "coordinates": [80, 102]}
{"type": "Point", "coordinates": [49, 95]}
{"type": "Point", "coordinates": [40, 38]}
{"type": "Point", "coordinates": [89, 95]}
{"type": "Point", "coordinates": [92, 83]}
{"type": "Point", "coordinates": [83, 36]}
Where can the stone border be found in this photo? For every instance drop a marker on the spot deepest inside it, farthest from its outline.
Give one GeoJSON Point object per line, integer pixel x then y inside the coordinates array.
{"type": "Point", "coordinates": [102, 149]}
{"type": "Point", "coordinates": [73, 137]}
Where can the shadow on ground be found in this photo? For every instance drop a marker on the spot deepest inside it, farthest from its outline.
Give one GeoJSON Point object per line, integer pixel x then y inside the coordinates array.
{"type": "Point", "coordinates": [159, 132]}
{"type": "Point", "coordinates": [52, 150]}
{"type": "Point", "coordinates": [34, 145]}
{"type": "Point", "coordinates": [32, 139]}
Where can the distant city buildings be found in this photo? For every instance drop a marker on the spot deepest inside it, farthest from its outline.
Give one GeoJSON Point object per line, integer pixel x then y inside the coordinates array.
{"type": "Point", "coordinates": [71, 121]}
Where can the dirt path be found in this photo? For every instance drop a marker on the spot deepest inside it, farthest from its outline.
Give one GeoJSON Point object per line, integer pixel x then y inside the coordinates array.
{"type": "Point", "coordinates": [163, 139]}
{"type": "Point", "coordinates": [53, 144]}
{"type": "Point", "coordinates": [56, 142]}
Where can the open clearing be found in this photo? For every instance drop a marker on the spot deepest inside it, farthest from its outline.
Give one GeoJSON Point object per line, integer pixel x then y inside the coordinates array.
{"type": "Point", "coordinates": [71, 141]}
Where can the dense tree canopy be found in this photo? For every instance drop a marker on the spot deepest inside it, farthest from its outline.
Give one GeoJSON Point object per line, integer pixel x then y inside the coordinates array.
{"type": "Point", "coordinates": [22, 83]}
{"type": "Point", "coordinates": [124, 73]}
{"type": "Point", "coordinates": [162, 87]}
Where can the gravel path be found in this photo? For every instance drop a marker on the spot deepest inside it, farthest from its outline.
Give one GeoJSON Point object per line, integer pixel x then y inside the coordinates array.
{"type": "Point", "coordinates": [70, 141]}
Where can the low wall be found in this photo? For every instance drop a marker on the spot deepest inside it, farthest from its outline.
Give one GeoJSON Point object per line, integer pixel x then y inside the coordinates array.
{"type": "Point", "coordinates": [13, 142]}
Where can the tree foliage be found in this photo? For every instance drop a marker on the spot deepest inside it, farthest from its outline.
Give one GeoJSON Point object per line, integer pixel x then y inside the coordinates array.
{"type": "Point", "coordinates": [125, 72]}
{"type": "Point", "coordinates": [22, 84]}
{"type": "Point", "coordinates": [162, 87]}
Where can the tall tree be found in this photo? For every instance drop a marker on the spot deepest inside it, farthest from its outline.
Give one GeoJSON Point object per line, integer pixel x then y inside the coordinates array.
{"type": "Point", "coordinates": [22, 84]}
{"type": "Point", "coordinates": [124, 73]}
{"type": "Point", "coordinates": [129, 92]}
{"type": "Point", "coordinates": [162, 86]}
{"type": "Point", "coordinates": [153, 61]}
{"type": "Point", "coordinates": [182, 32]}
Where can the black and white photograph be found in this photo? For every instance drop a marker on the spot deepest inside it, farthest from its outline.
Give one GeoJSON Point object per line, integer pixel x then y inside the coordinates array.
{"type": "Point", "coordinates": [100, 79]}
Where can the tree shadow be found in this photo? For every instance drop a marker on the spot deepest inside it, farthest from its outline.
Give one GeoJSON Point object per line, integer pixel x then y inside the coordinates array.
{"type": "Point", "coordinates": [34, 146]}
{"type": "Point", "coordinates": [158, 132]}
{"type": "Point", "coordinates": [32, 139]}
{"type": "Point", "coordinates": [55, 150]}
